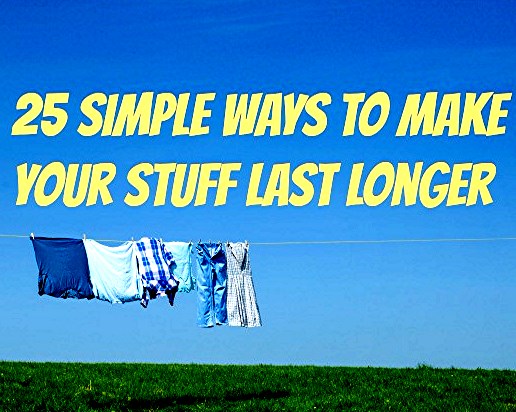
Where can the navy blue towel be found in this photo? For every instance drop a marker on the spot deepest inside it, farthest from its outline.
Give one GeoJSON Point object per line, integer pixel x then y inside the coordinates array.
{"type": "Point", "coordinates": [63, 268]}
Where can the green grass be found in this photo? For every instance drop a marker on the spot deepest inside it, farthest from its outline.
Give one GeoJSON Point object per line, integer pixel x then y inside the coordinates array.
{"type": "Point", "coordinates": [151, 387]}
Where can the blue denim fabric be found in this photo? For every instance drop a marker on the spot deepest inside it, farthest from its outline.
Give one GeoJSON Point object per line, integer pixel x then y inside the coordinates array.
{"type": "Point", "coordinates": [211, 285]}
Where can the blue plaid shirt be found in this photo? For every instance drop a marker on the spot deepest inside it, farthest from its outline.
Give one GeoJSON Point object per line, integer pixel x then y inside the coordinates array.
{"type": "Point", "coordinates": [154, 266]}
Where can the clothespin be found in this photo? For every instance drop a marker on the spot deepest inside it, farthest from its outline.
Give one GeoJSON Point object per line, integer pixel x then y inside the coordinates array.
{"type": "Point", "coordinates": [32, 235]}
{"type": "Point", "coordinates": [84, 236]}
{"type": "Point", "coordinates": [132, 239]}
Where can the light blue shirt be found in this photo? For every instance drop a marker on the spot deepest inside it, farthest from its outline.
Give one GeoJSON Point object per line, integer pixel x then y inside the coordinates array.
{"type": "Point", "coordinates": [182, 267]}
{"type": "Point", "coordinates": [114, 271]}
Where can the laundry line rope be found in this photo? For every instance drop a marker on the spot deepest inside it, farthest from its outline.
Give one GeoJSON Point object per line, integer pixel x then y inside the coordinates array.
{"type": "Point", "coordinates": [331, 242]}
{"type": "Point", "coordinates": [369, 241]}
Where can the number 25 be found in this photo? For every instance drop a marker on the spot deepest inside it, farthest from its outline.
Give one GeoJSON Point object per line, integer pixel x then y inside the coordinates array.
{"type": "Point", "coordinates": [35, 105]}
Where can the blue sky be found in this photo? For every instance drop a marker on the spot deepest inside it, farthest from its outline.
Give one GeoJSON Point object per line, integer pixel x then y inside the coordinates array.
{"type": "Point", "coordinates": [389, 305]}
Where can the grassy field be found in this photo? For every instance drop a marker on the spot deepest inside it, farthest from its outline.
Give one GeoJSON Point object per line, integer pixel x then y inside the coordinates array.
{"type": "Point", "coordinates": [150, 387]}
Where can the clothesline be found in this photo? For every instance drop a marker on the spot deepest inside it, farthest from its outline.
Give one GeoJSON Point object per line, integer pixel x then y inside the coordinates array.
{"type": "Point", "coordinates": [332, 242]}
{"type": "Point", "coordinates": [150, 268]}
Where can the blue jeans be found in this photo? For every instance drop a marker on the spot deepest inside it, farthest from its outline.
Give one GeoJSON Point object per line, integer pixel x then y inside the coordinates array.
{"type": "Point", "coordinates": [211, 285]}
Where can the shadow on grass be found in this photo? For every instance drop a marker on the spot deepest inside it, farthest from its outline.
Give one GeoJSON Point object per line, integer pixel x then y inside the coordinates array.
{"type": "Point", "coordinates": [175, 401]}
{"type": "Point", "coordinates": [7, 380]}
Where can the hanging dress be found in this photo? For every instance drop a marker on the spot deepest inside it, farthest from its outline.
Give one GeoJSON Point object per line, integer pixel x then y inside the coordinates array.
{"type": "Point", "coordinates": [241, 300]}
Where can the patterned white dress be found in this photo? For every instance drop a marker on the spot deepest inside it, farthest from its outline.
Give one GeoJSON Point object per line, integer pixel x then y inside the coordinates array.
{"type": "Point", "coordinates": [241, 300]}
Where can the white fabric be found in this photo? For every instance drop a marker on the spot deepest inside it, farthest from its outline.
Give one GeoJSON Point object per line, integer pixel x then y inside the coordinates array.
{"type": "Point", "coordinates": [241, 301]}
{"type": "Point", "coordinates": [114, 271]}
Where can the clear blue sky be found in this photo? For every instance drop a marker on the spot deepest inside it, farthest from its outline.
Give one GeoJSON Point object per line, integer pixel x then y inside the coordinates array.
{"type": "Point", "coordinates": [388, 305]}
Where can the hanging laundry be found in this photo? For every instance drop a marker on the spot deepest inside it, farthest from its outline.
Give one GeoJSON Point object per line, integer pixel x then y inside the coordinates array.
{"type": "Point", "coordinates": [63, 268]}
{"type": "Point", "coordinates": [182, 267]}
{"type": "Point", "coordinates": [241, 304]}
{"type": "Point", "coordinates": [211, 285]}
{"type": "Point", "coordinates": [154, 262]}
{"type": "Point", "coordinates": [114, 272]}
